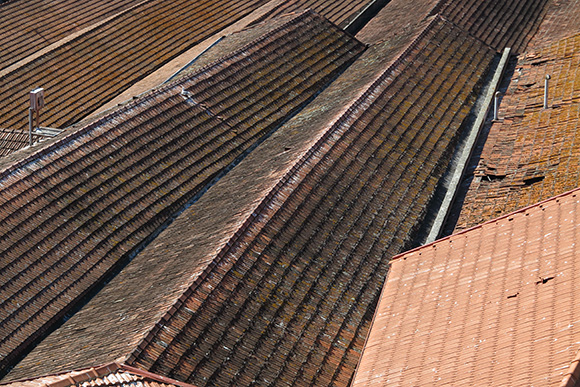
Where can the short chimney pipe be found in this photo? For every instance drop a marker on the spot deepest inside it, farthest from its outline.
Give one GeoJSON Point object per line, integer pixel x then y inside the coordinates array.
{"type": "Point", "coordinates": [546, 82]}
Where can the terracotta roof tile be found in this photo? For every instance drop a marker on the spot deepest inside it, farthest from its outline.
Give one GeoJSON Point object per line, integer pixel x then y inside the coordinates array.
{"type": "Point", "coordinates": [12, 140]}
{"type": "Point", "coordinates": [108, 375]}
{"type": "Point", "coordinates": [26, 27]}
{"type": "Point", "coordinates": [276, 285]}
{"type": "Point", "coordinates": [494, 305]}
{"type": "Point", "coordinates": [77, 208]}
{"type": "Point", "coordinates": [562, 20]}
{"type": "Point", "coordinates": [532, 153]}
{"type": "Point", "coordinates": [77, 76]}
{"type": "Point", "coordinates": [498, 23]}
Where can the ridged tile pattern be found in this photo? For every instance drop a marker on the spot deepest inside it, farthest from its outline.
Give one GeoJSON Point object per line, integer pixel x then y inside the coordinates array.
{"type": "Point", "coordinates": [108, 375]}
{"type": "Point", "coordinates": [12, 140]}
{"type": "Point", "coordinates": [339, 12]}
{"type": "Point", "coordinates": [29, 26]}
{"type": "Point", "coordinates": [81, 75]}
{"type": "Point", "coordinates": [532, 153]}
{"type": "Point", "coordinates": [83, 204]}
{"type": "Point", "coordinates": [496, 305]}
{"type": "Point", "coordinates": [562, 20]}
{"type": "Point", "coordinates": [499, 23]}
{"type": "Point", "coordinates": [287, 301]}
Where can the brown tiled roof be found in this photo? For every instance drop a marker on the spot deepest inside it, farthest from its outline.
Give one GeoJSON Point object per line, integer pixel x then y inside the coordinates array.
{"type": "Point", "coordinates": [498, 23]}
{"type": "Point", "coordinates": [496, 305]}
{"type": "Point", "coordinates": [340, 12]}
{"type": "Point", "coordinates": [80, 206]}
{"type": "Point", "coordinates": [107, 375]}
{"type": "Point", "coordinates": [562, 20]}
{"type": "Point", "coordinates": [275, 285]}
{"type": "Point", "coordinates": [532, 153]}
{"type": "Point", "coordinates": [12, 140]}
{"type": "Point", "coordinates": [84, 73]}
{"type": "Point", "coordinates": [28, 26]}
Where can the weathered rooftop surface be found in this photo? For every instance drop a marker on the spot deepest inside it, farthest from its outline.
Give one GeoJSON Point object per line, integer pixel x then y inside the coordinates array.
{"type": "Point", "coordinates": [562, 20]}
{"type": "Point", "coordinates": [77, 208]}
{"type": "Point", "coordinates": [276, 285]}
{"type": "Point", "coordinates": [107, 375]}
{"type": "Point", "coordinates": [12, 140]}
{"type": "Point", "coordinates": [498, 23]}
{"type": "Point", "coordinates": [84, 73]}
{"type": "Point", "coordinates": [532, 153]}
{"type": "Point", "coordinates": [496, 305]}
{"type": "Point", "coordinates": [29, 26]}
{"type": "Point", "coordinates": [340, 12]}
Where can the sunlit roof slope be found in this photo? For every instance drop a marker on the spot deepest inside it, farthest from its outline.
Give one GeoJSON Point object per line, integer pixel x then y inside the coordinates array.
{"type": "Point", "coordinates": [562, 20]}
{"type": "Point", "coordinates": [272, 275]}
{"type": "Point", "coordinates": [498, 23]}
{"type": "Point", "coordinates": [532, 153]}
{"type": "Point", "coordinates": [28, 26]}
{"type": "Point", "coordinates": [73, 211]}
{"type": "Point", "coordinates": [106, 375]}
{"type": "Point", "coordinates": [86, 72]}
{"type": "Point", "coordinates": [341, 12]}
{"type": "Point", "coordinates": [496, 305]}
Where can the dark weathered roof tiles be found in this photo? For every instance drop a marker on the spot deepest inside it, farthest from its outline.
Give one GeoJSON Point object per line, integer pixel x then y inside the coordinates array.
{"type": "Point", "coordinates": [79, 207]}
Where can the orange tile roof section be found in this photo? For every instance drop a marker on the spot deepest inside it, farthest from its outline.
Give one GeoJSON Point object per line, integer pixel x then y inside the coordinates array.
{"type": "Point", "coordinates": [276, 286]}
{"type": "Point", "coordinates": [76, 209]}
{"type": "Point", "coordinates": [562, 20]}
{"type": "Point", "coordinates": [107, 375]}
{"type": "Point", "coordinates": [498, 23]}
{"type": "Point", "coordinates": [29, 26]}
{"type": "Point", "coordinates": [532, 153]}
{"type": "Point", "coordinates": [494, 305]}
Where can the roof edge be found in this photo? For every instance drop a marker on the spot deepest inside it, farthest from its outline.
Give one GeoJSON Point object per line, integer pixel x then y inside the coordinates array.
{"type": "Point", "coordinates": [521, 210]}
{"type": "Point", "coordinates": [88, 374]}
{"type": "Point", "coordinates": [573, 375]}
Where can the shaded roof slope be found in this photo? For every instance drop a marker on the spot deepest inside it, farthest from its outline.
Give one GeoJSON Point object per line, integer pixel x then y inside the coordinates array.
{"type": "Point", "coordinates": [498, 23]}
{"type": "Point", "coordinates": [12, 140]}
{"type": "Point", "coordinates": [496, 305]}
{"type": "Point", "coordinates": [532, 153]}
{"type": "Point", "coordinates": [84, 73]}
{"type": "Point", "coordinates": [107, 375]}
{"type": "Point", "coordinates": [275, 286]}
{"type": "Point", "coordinates": [78, 207]}
{"type": "Point", "coordinates": [28, 26]}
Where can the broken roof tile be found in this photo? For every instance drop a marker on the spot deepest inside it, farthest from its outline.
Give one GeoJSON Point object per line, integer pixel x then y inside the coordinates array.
{"type": "Point", "coordinates": [532, 153]}
{"type": "Point", "coordinates": [493, 305]}
{"type": "Point", "coordinates": [81, 206]}
{"type": "Point", "coordinates": [278, 284]}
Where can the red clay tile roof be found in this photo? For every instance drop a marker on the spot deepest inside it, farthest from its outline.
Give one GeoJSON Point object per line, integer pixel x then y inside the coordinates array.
{"type": "Point", "coordinates": [76, 209]}
{"type": "Point", "coordinates": [29, 26]}
{"type": "Point", "coordinates": [562, 20]}
{"type": "Point", "coordinates": [86, 72]}
{"type": "Point", "coordinates": [496, 305]}
{"type": "Point", "coordinates": [532, 153]}
{"type": "Point", "coordinates": [108, 375]}
{"type": "Point", "coordinates": [498, 23]}
{"type": "Point", "coordinates": [277, 285]}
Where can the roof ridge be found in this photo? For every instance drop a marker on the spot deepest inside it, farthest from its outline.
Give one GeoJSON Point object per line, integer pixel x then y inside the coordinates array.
{"type": "Point", "coordinates": [521, 210]}
{"type": "Point", "coordinates": [354, 109]}
{"type": "Point", "coordinates": [573, 374]}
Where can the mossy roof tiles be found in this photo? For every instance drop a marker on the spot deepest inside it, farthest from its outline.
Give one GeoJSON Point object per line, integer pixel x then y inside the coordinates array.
{"type": "Point", "coordinates": [498, 23]}
{"type": "Point", "coordinates": [495, 305]}
{"type": "Point", "coordinates": [80, 206]}
{"type": "Point", "coordinates": [276, 286]}
{"type": "Point", "coordinates": [532, 153]}
{"type": "Point", "coordinates": [29, 26]}
{"type": "Point", "coordinates": [81, 75]}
